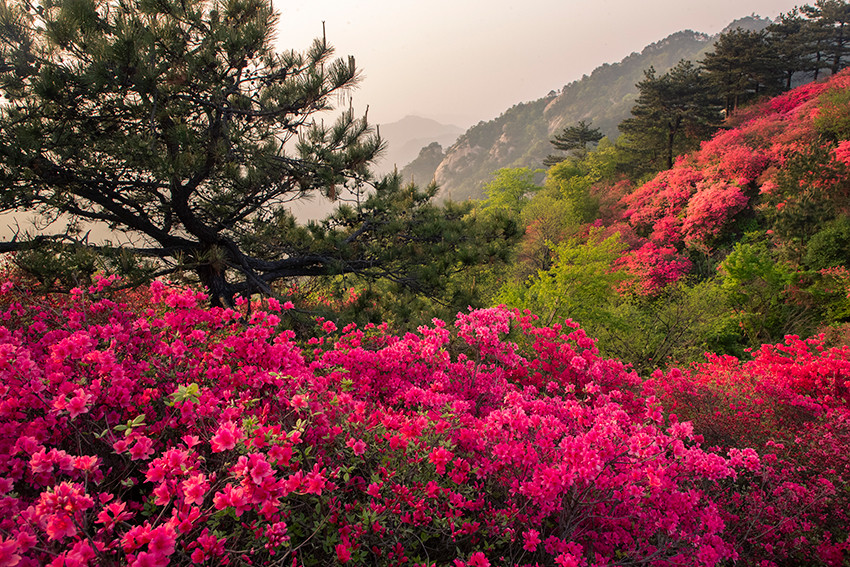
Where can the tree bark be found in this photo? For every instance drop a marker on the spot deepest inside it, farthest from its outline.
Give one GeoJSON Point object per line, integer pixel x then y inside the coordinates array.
{"type": "Point", "coordinates": [221, 292]}
{"type": "Point", "coordinates": [670, 137]}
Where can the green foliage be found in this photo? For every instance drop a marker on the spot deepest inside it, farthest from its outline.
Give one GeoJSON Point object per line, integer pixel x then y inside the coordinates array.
{"type": "Point", "coordinates": [580, 285]}
{"type": "Point", "coordinates": [58, 265]}
{"type": "Point", "coordinates": [433, 260]}
{"type": "Point", "coordinates": [675, 327]}
{"type": "Point", "coordinates": [833, 119]}
{"type": "Point", "coordinates": [573, 181]}
{"type": "Point", "coordinates": [178, 124]}
{"type": "Point", "coordinates": [184, 392]}
{"type": "Point", "coordinates": [602, 162]}
{"type": "Point", "coordinates": [810, 191]}
{"type": "Point", "coordinates": [747, 64]}
{"type": "Point", "coordinates": [55, 265]}
{"type": "Point", "coordinates": [785, 38]}
{"type": "Point", "coordinates": [672, 114]}
{"type": "Point", "coordinates": [743, 66]}
{"type": "Point", "coordinates": [547, 218]}
{"type": "Point", "coordinates": [571, 198]}
{"type": "Point", "coordinates": [573, 139]}
{"type": "Point", "coordinates": [771, 299]}
{"type": "Point", "coordinates": [749, 266]}
{"type": "Point", "coordinates": [511, 189]}
{"type": "Point", "coordinates": [829, 247]}
{"type": "Point", "coordinates": [827, 29]}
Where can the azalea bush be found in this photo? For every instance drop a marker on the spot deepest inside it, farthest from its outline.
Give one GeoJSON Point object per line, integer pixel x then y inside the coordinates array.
{"type": "Point", "coordinates": [142, 428]}
{"type": "Point", "coordinates": [779, 167]}
{"type": "Point", "coordinates": [790, 403]}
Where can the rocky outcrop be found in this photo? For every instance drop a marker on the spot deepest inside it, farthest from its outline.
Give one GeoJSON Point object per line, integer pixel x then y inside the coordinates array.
{"type": "Point", "coordinates": [455, 164]}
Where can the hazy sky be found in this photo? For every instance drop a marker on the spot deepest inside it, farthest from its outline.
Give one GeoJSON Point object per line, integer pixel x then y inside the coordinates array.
{"type": "Point", "coordinates": [461, 61]}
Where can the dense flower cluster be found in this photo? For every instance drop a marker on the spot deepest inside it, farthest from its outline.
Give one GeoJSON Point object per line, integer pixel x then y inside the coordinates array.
{"type": "Point", "coordinates": [708, 209]}
{"type": "Point", "coordinates": [842, 152]}
{"type": "Point", "coordinates": [789, 102]}
{"type": "Point", "coordinates": [655, 267]}
{"type": "Point", "coordinates": [740, 170]}
{"type": "Point", "coordinates": [174, 434]}
{"type": "Point", "coordinates": [790, 402]}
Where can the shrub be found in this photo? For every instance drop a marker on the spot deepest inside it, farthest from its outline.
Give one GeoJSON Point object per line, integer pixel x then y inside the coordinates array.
{"type": "Point", "coordinates": [175, 434]}
{"type": "Point", "coordinates": [830, 247]}
{"type": "Point", "coordinates": [790, 403]}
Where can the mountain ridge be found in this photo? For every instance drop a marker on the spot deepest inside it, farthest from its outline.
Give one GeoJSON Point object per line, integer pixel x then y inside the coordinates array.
{"type": "Point", "coordinates": [407, 136]}
{"type": "Point", "coordinates": [519, 137]}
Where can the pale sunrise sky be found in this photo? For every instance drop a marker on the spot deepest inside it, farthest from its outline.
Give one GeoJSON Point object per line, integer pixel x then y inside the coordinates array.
{"type": "Point", "coordinates": [461, 61]}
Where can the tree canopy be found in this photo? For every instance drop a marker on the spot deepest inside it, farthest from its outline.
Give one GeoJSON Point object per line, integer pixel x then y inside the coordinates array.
{"type": "Point", "coordinates": [575, 139]}
{"type": "Point", "coordinates": [672, 112]}
{"type": "Point", "coordinates": [743, 65]}
{"type": "Point", "coordinates": [177, 125]}
{"type": "Point", "coordinates": [829, 21]}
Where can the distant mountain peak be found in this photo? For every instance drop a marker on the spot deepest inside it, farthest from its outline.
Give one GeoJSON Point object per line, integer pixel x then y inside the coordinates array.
{"type": "Point", "coordinates": [416, 120]}
{"type": "Point", "coordinates": [519, 137]}
{"type": "Point", "coordinates": [407, 136]}
{"type": "Point", "coordinates": [688, 35]}
{"type": "Point", "coordinates": [753, 22]}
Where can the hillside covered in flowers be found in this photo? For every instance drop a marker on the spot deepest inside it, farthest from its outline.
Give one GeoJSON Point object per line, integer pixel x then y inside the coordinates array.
{"type": "Point", "coordinates": [740, 243]}
{"type": "Point", "coordinates": [142, 428]}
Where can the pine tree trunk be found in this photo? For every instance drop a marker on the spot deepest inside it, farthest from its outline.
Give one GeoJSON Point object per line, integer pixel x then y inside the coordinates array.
{"type": "Point", "coordinates": [221, 294]}
{"type": "Point", "coordinates": [670, 137]}
{"type": "Point", "coordinates": [839, 50]}
{"type": "Point", "coordinates": [817, 65]}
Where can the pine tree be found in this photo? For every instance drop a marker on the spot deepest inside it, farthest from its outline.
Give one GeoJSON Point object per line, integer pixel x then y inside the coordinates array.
{"type": "Point", "coordinates": [743, 66]}
{"type": "Point", "coordinates": [830, 19]}
{"type": "Point", "coordinates": [573, 139]}
{"type": "Point", "coordinates": [786, 38]}
{"type": "Point", "coordinates": [672, 113]}
{"type": "Point", "coordinates": [176, 124]}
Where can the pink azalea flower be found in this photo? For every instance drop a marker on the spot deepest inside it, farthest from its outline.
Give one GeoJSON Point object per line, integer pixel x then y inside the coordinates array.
{"type": "Point", "coordinates": [85, 463]}
{"type": "Point", "coordinates": [315, 481]}
{"type": "Point", "coordinates": [358, 446]}
{"type": "Point", "coordinates": [226, 437]}
{"type": "Point", "coordinates": [195, 488]}
{"type": "Point", "coordinates": [8, 553]}
{"type": "Point", "coordinates": [162, 541]}
{"type": "Point", "coordinates": [60, 526]}
{"type": "Point", "coordinates": [142, 449]}
{"type": "Point", "coordinates": [343, 553]}
{"type": "Point", "coordinates": [842, 152]}
{"type": "Point", "coordinates": [79, 403]}
{"type": "Point", "coordinates": [112, 514]}
{"type": "Point", "coordinates": [531, 540]}
{"type": "Point", "coordinates": [566, 560]}
{"type": "Point", "coordinates": [440, 457]}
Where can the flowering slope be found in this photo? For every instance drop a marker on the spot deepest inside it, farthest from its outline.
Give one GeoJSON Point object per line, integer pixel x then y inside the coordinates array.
{"type": "Point", "coordinates": [174, 434]}
{"type": "Point", "coordinates": [776, 159]}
